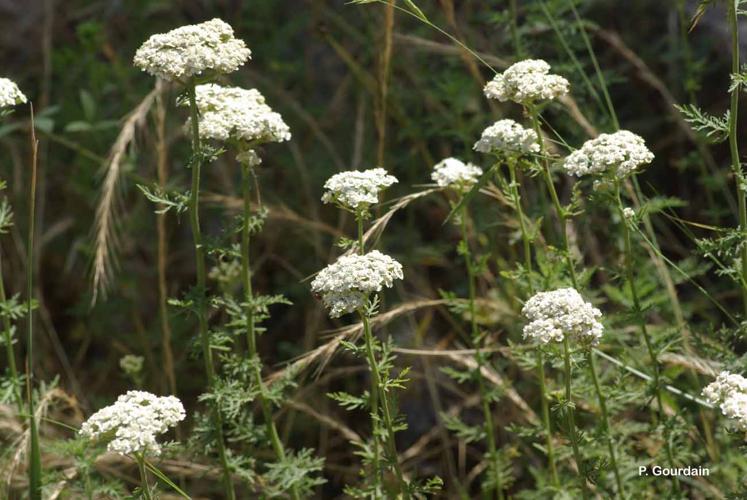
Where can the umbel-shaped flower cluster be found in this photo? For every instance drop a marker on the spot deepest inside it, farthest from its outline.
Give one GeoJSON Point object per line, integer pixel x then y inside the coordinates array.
{"type": "Point", "coordinates": [455, 174]}
{"type": "Point", "coordinates": [10, 94]}
{"type": "Point", "coordinates": [238, 114]}
{"type": "Point", "coordinates": [191, 50]}
{"type": "Point", "coordinates": [355, 190]}
{"type": "Point", "coordinates": [508, 138]}
{"type": "Point", "coordinates": [133, 422]}
{"type": "Point", "coordinates": [526, 82]}
{"type": "Point", "coordinates": [346, 285]}
{"type": "Point", "coordinates": [561, 313]}
{"type": "Point", "coordinates": [729, 392]}
{"type": "Point", "coordinates": [618, 154]}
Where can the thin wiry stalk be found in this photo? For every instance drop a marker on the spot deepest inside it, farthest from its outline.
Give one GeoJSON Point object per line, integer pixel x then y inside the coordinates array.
{"type": "Point", "coordinates": [161, 168]}
{"type": "Point", "coordinates": [479, 357]}
{"type": "Point", "coordinates": [638, 311]}
{"type": "Point", "coordinates": [246, 279]}
{"type": "Point", "coordinates": [374, 396]}
{"type": "Point", "coordinates": [145, 489]}
{"type": "Point", "coordinates": [194, 219]}
{"type": "Point", "coordinates": [35, 469]}
{"type": "Point", "coordinates": [545, 407]}
{"type": "Point", "coordinates": [605, 423]}
{"type": "Point", "coordinates": [386, 412]}
{"type": "Point", "coordinates": [736, 164]}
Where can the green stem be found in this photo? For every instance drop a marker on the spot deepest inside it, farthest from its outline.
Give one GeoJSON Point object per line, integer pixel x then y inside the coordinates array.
{"type": "Point", "coordinates": [10, 351]}
{"type": "Point", "coordinates": [605, 422]}
{"type": "Point", "coordinates": [546, 418]}
{"type": "Point", "coordinates": [34, 470]}
{"type": "Point", "coordinates": [374, 396]}
{"type": "Point", "coordinates": [272, 431]}
{"type": "Point", "coordinates": [513, 12]}
{"type": "Point", "coordinates": [560, 212]}
{"type": "Point", "coordinates": [516, 198]}
{"type": "Point", "coordinates": [381, 395]}
{"type": "Point", "coordinates": [570, 414]}
{"type": "Point", "coordinates": [638, 311]}
{"type": "Point", "coordinates": [476, 341]}
{"type": "Point", "coordinates": [143, 478]}
{"type": "Point", "coordinates": [194, 219]}
{"type": "Point", "coordinates": [733, 145]}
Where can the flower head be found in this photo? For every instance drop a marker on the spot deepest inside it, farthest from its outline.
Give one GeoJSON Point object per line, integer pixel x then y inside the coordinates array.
{"type": "Point", "coordinates": [10, 94]}
{"type": "Point", "coordinates": [526, 82]}
{"type": "Point", "coordinates": [506, 137]}
{"type": "Point", "coordinates": [345, 285]}
{"type": "Point", "coordinates": [355, 190]}
{"type": "Point", "coordinates": [236, 113]}
{"type": "Point", "coordinates": [729, 392]}
{"type": "Point", "coordinates": [454, 173]}
{"type": "Point", "coordinates": [132, 423]}
{"type": "Point", "coordinates": [561, 313]}
{"type": "Point", "coordinates": [192, 50]}
{"type": "Point", "coordinates": [620, 154]}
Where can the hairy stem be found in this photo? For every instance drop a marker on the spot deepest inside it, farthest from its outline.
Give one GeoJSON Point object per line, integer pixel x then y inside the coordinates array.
{"type": "Point", "coordinates": [251, 339]}
{"type": "Point", "coordinates": [143, 477]}
{"type": "Point", "coordinates": [479, 358]}
{"type": "Point", "coordinates": [605, 423]}
{"type": "Point", "coordinates": [381, 395]}
{"type": "Point", "coordinates": [194, 219]}
{"type": "Point", "coordinates": [374, 396]}
{"type": "Point", "coordinates": [570, 414]}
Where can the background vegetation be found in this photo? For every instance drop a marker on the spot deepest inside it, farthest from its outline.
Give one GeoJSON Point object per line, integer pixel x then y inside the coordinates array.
{"type": "Point", "coordinates": [363, 86]}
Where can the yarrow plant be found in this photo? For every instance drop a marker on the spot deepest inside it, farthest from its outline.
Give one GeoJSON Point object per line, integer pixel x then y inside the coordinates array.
{"type": "Point", "coordinates": [351, 284]}
{"type": "Point", "coordinates": [619, 154]}
{"type": "Point", "coordinates": [356, 191]}
{"type": "Point", "coordinates": [10, 94]}
{"type": "Point", "coordinates": [507, 138]}
{"type": "Point", "coordinates": [194, 50]}
{"type": "Point", "coordinates": [346, 286]}
{"type": "Point", "coordinates": [182, 55]}
{"type": "Point", "coordinates": [729, 393]}
{"type": "Point", "coordinates": [455, 174]}
{"type": "Point", "coordinates": [527, 82]}
{"type": "Point", "coordinates": [560, 314]}
{"type": "Point", "coordinates": [131, 425]}
{"type": "Point", "coordinates": [133, 422]}
{"type": "Point", "coordinates": [232, 113]}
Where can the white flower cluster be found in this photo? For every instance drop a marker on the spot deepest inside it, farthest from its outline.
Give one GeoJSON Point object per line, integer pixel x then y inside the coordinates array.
{"type": "Point", "coordinates": [454, 173]}
{"type": "Point", "coordinates": [10, 94]}
{"type": "Point", "coordinates": [628, 213]}
{"type": "Point", "coordinates": [526, 82]}
{"type": "Point", "coordinates": [729, 391]}
{"type": "Point", "coordinates": [192, 50]}
{"type": "Point", "coordinates": [236, 113]}
{"type": "Point", "coordinates": [345, 285]}
{"type": "Point", "coordinates": [355, 190]}
{"type": "Point", "coordinates": [509, 138]}
{"type": "Point", "coordinates": [619, 153]}
{"type": "Point", "coordinates": [563, 312]}
{"type": "Point", "coordinates": [133, 422]}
